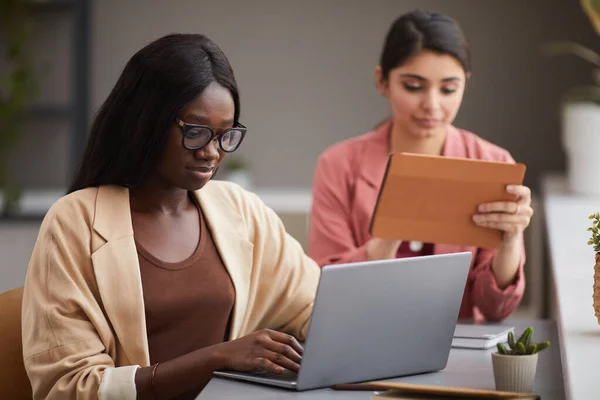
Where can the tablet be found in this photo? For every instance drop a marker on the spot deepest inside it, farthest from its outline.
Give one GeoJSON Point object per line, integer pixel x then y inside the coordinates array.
{"type": "Point", "coordinates": [432, 199]}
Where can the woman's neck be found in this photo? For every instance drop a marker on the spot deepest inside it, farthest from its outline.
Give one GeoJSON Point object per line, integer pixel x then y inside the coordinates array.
{"type": "Point", "coordinates": [153, 196]}
{"type": "Point", "coordinates": [400, 142]}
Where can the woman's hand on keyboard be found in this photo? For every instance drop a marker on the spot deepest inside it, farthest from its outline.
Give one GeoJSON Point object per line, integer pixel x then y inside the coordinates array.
{"type": "Point", "coordinates": [266, 350]}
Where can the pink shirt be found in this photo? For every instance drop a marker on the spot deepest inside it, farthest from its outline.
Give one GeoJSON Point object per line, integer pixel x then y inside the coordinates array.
{"type": "Point", "coordinates": [346, 184]}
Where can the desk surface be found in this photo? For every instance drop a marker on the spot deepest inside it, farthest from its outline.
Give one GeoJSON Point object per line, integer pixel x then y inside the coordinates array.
{"type": "Point", "coordinates": [466, 368]}
{"type": "Point", "coordinates": [572, 267]}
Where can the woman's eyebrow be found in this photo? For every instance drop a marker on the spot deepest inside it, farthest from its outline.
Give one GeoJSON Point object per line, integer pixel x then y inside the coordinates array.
{"type": "Point", "coordinates": [423, 79]}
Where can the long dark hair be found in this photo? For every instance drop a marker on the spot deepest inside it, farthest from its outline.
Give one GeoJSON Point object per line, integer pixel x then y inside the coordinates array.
{"type": "Point", "coordinates": [131, 127]}
{"type": "Point", "coordinates": [420, 30]}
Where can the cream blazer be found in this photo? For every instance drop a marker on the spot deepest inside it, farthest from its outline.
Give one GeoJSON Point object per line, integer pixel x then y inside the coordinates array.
{"type": "Point", "coordinates": [84, 330]}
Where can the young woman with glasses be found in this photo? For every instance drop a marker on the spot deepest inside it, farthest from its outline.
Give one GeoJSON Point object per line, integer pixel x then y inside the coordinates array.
{"type": "Point", "coordinates": [147, 276]}
{"type": "Point", "coordinates": [423, 70]}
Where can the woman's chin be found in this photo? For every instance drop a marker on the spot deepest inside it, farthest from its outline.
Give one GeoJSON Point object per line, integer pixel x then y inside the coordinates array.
{"type": "Point", "coordinates": [426, 133]}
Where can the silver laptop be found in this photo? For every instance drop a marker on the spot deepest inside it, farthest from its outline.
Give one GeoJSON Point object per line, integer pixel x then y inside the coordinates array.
{"type": "Point", "coordinates": [376, 320]}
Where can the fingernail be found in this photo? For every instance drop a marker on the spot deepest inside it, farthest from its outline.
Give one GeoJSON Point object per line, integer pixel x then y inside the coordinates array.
{"type": "Point", "coordinates": [510, 188]}
{"type": "Point", "coordinates": [476, 218]}
{"type": "Point", "coordinates": [481, 208]}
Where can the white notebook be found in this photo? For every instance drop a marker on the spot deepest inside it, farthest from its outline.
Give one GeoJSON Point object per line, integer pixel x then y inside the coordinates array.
{"type": "Point", "coordinates": [473, 336]}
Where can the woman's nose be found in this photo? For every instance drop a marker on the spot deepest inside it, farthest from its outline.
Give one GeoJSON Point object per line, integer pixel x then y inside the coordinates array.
{"type": "Point", "coordinates": [431, 101]}
{"type": "Point", "coordinates": [210, 151]}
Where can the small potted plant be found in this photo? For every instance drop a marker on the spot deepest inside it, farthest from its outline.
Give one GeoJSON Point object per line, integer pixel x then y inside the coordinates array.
{"type": "Point", "coordinates": [595, 243]}
{"type": "Point", "coordinates": [515, 367]}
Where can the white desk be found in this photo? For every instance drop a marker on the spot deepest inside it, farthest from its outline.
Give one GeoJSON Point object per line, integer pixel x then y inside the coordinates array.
{"type": "Point", "coordinates": [466, 368]}
{"type": "Point", "coordinates": [572, 273]}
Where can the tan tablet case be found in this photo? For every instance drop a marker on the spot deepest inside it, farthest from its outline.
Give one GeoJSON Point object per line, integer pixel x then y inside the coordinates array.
{"type": "Point", "coordinates": [432, 199]}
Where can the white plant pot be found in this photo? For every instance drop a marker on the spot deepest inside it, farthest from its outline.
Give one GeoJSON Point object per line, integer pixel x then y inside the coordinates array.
{"type": "Point", "coordinates": [240, 177]}
{"type": "Point", "coordinates": [581, 141]}
{"type": "Point", "coordinates": [514, 373]}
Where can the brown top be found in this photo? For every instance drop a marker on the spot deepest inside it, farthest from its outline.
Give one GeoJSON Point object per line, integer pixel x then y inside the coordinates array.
{"type": "Point", "coordinates": [188, 303]}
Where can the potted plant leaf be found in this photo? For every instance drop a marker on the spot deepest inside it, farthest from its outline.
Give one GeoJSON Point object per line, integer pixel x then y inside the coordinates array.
{"type": "Point", "coordinates": [515, 367]}
{"type": "Point", "coordinates": [580, 112]}
{"type": "Point", "coordinates": [595, 243]}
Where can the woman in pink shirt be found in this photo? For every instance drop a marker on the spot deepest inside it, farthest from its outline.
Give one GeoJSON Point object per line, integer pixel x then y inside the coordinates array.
{"type": "Point", "coordinates": [423, 70]}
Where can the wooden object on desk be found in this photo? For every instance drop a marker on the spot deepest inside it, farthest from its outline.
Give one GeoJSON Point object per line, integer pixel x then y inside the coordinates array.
{"type": "Point", "coordinates": [409, 391]}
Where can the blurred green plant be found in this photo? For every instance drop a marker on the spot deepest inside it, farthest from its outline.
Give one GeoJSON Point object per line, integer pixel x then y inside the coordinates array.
{"type": "Point", "coordinates": [590, 93]}
{"type": "Point", "coordinates": [235, 164]}
{"type": "Point", "coordinates": [595, 239]}
{"type": "Point", "coordinates": [18, 88]}
{"type": "Point", "coordinates": [592, 10]}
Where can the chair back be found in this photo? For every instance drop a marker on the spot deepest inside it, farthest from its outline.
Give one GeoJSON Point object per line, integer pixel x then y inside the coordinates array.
{"type": "Point", "coordinates": [14, 383]}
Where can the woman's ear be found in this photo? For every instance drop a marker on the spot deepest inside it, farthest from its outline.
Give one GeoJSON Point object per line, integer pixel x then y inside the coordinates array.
{"type": "Point", "coordinates": [381, 82]}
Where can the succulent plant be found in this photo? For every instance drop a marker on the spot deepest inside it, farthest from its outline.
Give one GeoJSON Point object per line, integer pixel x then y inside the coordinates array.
{"type": "Point", "coordinates": [522, 346]}
{"type": "Point", "coordinates": [595, 228]}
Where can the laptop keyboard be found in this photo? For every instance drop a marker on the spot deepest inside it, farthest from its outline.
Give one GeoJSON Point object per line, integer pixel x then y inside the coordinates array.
{"type": "Point", "coordinates": [287, 375]}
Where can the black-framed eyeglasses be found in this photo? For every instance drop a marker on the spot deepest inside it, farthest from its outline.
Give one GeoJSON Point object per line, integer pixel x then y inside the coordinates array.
{"type": "Point", "coordinates": [195, 136]}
